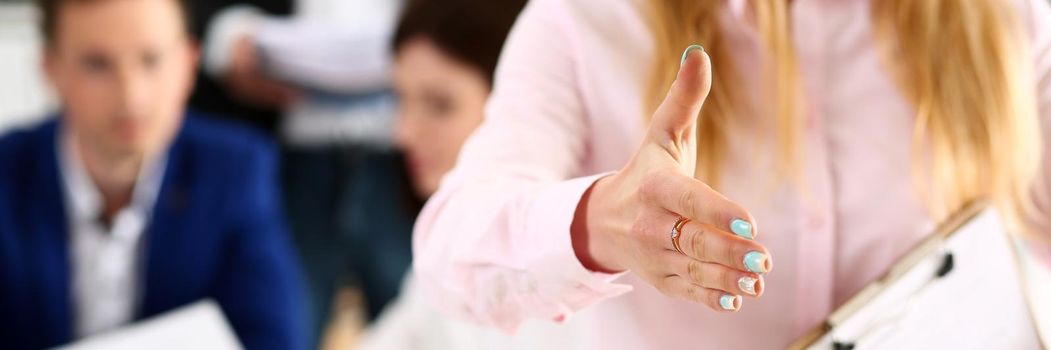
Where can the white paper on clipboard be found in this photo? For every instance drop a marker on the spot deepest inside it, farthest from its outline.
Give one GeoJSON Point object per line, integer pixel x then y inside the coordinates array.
{"type": "Point", "coordinates": [978, 304]}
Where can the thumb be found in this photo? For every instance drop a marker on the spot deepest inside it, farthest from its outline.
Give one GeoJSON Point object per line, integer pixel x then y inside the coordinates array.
{"type": "Point", "coordinates": [676, 117]}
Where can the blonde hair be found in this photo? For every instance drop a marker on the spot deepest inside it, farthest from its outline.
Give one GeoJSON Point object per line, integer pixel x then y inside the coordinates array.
{"type": "Point", "coordinates": [961, 63]}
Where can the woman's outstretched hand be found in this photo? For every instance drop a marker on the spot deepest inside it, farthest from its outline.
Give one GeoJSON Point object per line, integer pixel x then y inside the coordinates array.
{"type": "Point", "coordinates": [626, 220]}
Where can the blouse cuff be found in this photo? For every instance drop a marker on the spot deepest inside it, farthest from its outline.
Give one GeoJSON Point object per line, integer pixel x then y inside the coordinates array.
{"type": "Point", "coordinates": [553, 257]}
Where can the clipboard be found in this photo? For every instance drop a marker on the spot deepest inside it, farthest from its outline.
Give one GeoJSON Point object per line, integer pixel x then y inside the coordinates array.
{"type": "Point", "coordinates": [963, 287]}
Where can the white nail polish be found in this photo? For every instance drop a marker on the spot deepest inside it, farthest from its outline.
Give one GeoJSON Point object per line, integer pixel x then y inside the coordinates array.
{"type": "Point", "coordinates": [747, 284]}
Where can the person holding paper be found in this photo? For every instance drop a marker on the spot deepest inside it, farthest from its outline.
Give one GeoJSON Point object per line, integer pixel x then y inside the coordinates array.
{"type": "Point", "coordinates": [732, 195]}
{"type": "Point", "coordinates": [126, 206]}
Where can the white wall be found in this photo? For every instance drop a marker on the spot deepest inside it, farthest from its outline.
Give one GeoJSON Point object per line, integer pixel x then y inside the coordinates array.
{"type": "Point", "coordinates": [24, 96]}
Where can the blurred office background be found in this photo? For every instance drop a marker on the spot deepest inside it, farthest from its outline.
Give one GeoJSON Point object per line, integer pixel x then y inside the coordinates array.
{"type": "Point", "coordinates": [351, 166]}
{"type": "Point", "coordinates": [24, 96]}
{"type": "Point", "coordinates": [26, 99]}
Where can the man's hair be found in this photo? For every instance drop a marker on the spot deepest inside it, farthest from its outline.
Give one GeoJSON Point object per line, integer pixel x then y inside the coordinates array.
{"type": "Point", "coordinates": [49, 10]}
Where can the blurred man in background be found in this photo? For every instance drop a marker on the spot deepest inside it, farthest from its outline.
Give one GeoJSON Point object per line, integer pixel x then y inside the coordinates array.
{"type": "Point", "coordinates": [126, 206]}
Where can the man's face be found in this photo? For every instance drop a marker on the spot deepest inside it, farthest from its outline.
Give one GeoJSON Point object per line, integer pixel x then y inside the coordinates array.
{"type": "Point", "coordinates": [123, 70]}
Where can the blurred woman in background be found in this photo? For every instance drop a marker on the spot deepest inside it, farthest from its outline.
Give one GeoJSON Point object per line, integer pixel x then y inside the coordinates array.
{"type": "Point", "coordinates": [445, 55]}
{"type": "Point", "coordinates": [847, 129]}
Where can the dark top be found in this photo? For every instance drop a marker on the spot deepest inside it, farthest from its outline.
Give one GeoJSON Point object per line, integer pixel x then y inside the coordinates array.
{"type": "Point", "coordinates": [216, 232]}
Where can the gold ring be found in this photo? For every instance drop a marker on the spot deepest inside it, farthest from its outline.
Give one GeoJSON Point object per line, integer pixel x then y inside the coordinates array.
{"type": "Point", "coordinates": [676, 232]}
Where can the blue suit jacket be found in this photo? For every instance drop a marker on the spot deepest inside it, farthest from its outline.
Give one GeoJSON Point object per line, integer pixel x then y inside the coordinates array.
{"type": "Point", "coordinates": [217, 232]}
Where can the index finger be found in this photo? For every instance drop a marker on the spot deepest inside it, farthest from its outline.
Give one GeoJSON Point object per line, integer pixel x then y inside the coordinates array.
{"type": "Point", "coordinates": [694, 199]}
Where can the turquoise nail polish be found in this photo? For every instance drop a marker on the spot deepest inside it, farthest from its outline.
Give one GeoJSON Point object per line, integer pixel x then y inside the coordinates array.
{"type": "Point", "coordinates": [690, 49]}
{"type": "Point", "coordinates": [741, 228]}
{"type": "Point", "coordinates": [755, 262]}
{"type": "Point", "coordinates": [727, 301]}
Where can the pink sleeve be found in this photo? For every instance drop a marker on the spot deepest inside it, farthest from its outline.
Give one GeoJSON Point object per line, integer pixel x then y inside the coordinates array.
{"type": "Point", "coordinates": [493, 245]}
{"type": "Point", "coordinates": [1040, 32]}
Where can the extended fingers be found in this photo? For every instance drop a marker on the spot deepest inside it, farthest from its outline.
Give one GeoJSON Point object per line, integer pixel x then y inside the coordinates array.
{"type": "Point", "coordinates": [716, 276]}
{"type": "Point", "coordinates": [706, 243]}
{"type": "Point", "coordinates": [694, 199]}
{"type": "Point", "coordinates": [716, 299]}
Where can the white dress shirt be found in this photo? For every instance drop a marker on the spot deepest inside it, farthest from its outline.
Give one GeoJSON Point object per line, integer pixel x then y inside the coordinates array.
{"type": "Point", "coordinates": [336, 51]}
{"type": "Point", "coordinates": [106, 261]}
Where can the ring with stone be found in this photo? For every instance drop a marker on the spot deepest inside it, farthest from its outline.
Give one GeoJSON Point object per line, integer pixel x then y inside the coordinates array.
{"type": "Point", "coordinates": [676, 232]}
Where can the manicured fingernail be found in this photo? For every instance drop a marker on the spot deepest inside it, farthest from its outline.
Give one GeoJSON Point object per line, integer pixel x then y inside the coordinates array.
{"type": "Point", "coordinates": [690, 49]}
{"type": "Point", "coordinates": [741, 228]}
{"type": "Point", "coordinates": [729, 302]}
{"type": "Point", "coordinates": [747, 284]}
{"type": "Point", "coordinates": [755, 262]}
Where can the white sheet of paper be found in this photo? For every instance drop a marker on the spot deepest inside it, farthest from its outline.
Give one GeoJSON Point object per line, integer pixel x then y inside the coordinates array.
{"type": "Point", "coordinates": [196, 326]}
{"type": "Point", "coordinates": [978, 305]}
{"type": "Point", "coordinates": [1037, 275]}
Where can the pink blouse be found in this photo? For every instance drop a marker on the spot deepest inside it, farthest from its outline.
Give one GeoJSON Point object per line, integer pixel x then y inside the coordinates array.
{"type": "Point", "coordinates": [493, 245]}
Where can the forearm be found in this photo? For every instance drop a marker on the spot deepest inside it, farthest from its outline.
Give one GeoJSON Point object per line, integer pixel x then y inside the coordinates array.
{"type": "Point", "coordinates": [500, 251]}
{"type": "Point", "coordinates": [344, 58]}
{"type": "Point", "coordinates": [348, 58]}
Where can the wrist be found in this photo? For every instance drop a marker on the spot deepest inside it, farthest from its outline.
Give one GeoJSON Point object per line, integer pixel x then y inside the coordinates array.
{"type": "Point", "coordinates": [589, 243]}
